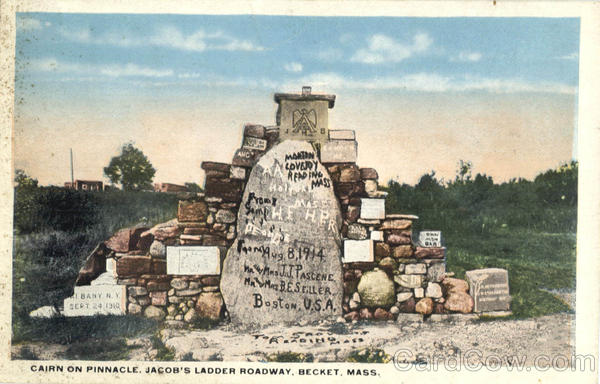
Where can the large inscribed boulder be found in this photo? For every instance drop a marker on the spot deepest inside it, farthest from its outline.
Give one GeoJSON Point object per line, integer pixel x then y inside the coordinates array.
{"type": "Point", "coordinates": [285, 265]}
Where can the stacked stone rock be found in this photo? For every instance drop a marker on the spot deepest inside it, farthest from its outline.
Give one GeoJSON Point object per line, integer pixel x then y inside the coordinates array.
{"type": "Point", "coordinates": [402, 278]}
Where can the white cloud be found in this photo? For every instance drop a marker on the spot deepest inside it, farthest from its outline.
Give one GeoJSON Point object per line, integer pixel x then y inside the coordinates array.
{"type": "Point", "coordinates": [430, 82]}
{"type": "Point", "coordinates": [384, 49]}
{"type": "Point", "coordinates": [30, 23]}
{"type": "Point", "coordinates": [167, 37]}
{"type": "Point", "coordinates": [112, 70]}
{"type": "Point", "coordinates": [329, 55]}
{"type": "Point", "coordinates": [571, 56]}
{"type": "Point", "coordinates": [293, 67]}
{"type": "Point", "coordinates": [467, 57]}
{"type": "Point", "coordinates": [134, 70]}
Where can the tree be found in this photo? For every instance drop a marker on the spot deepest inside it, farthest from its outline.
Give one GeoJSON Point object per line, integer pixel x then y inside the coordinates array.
{"type": "Point", "coordinates": [193, 187]}
{"type": "Point", "coordinates": [131, 169]}
{"type": "Point", "coordinates": [24, 180]}
{"type": "Point", "coordinates": [463, 174]}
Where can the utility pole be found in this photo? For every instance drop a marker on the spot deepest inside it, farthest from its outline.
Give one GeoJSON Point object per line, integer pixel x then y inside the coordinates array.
{"type": "Point", "coordinates": [72, 179]}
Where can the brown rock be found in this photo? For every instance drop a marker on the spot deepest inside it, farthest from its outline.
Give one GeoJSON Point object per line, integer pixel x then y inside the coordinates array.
{"type": "Point", "coordinates": [388, 264]}
{"type": "Point", "coordinates": [192, 211]}
{"type": "Point", "coordinates": [349, 174]}
{"type": "Point", "coordinates": [211, 280]}
{"type": "Point", "coordinates": [403, 252]}
{"type": "Point", "coordinates": [396, 224]}
{"type": "Point", "coordinates": [382, 250]}
{"type": "Point", "coordinates": [154, 286]}
{"type": "Point", "coordinates": [166, 233]}
{"type": "Point", "coordinates": [133, 265]}
{"type": "Point", "coordinates": [365, 314]}
{"type": "Point", "coordinates": [244, 157]}
{"type": "Point", "coordinates": [424, 306]}
{"type": "Point", "coordinates": [209, 305]}
{"type": "Point", "coordinates": [439, 308]}
{"type": "Point", "coordinates": [349, 276]}
{"type": "Point", "coordinates": [158, 266]}
{"type": "Point", "coordinates": [430, 253]}
{"type": "Point", "coordinates": [214, 166]}
{"type": "Point", "coordinates": [252, 130]}
{"type": "Point", "coordinates": [216, 174]}
{"type": "Point", "coordinates": [396, 237]}
{"type": "Point", "coordinates": [196, 231]}
{"type": "Point", "coordinates": [214, 240]}
{"type": "Point", "coordinates": [145, 242]}
{"type": "Point", "coordinates": [158, 298]}
{"type": "Point", "coordinates": [352, 213]}
{"type": "Point", "coordinates": [382, 314]}
{"type": "Point", "coordinates": [407, 306]}
{"type": "Point", "coordinates": [226, 189]}
{"type": "Point", "coordinates": [459, 302]}
{"type": "Point", "coordinates": [453, 285]}
{"type": "Point", "coordinates": [350, 286]}
{"type": "Point", "coordinates": [94, 265]}
{"type": "Point", "coordinates": [351, 316]}
{"type": "Point", "coordinates": [125, 240]}
{"type": "Point", "coordinates": [368, 174]}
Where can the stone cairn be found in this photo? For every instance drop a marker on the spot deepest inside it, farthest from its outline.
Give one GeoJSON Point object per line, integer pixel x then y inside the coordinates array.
{"type": "Point", "coordinates": [402, 276]}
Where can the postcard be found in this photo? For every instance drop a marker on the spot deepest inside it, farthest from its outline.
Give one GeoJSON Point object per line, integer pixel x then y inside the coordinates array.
{"type": "Point", "coordinates": [333, 191]}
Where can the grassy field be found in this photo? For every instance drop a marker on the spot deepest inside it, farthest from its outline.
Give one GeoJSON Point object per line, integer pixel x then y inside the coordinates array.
{"type": "Point", "coordinates": [55, 231]}
{"type": "Point", "coordinates": [527, 227]}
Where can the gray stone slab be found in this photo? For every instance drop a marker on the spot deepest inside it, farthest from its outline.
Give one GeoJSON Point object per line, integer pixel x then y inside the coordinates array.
{"type": "Point", "coordinates": [285, 265]}
{"type": "Point", "coordinates": [489, 289]}
{"type": "Point", "coordinates": [372, 209]}
{"type": "Point", "coordinates": [193, 260]}
{"type": "Point", "coordinates": [339, 151]}
{"type": "Point", "coordinates": [341, 134]}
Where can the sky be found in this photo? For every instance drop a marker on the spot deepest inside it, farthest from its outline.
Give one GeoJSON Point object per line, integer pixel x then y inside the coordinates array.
{"type": "Point", "coordinates": [421, 93]}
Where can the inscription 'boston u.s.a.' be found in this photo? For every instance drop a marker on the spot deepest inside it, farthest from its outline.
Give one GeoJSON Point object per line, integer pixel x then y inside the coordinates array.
{"type": "Point", "coordinates": [285, 266]}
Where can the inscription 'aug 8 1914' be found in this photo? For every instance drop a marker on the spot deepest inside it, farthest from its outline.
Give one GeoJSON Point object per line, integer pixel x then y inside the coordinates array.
{"type": "Point", "coordinates": [285, 265]}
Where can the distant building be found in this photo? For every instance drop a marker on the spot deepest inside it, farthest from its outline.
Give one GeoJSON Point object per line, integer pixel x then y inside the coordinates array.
{"type": "Point", "coordinates": [85, 185]}
{"type": "Point", "coordinates": [169, 188]}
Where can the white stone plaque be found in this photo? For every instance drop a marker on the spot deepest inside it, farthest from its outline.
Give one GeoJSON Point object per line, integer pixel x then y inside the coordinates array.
{"type": "Point", "coordinates": [341, 134]}
{"type": "Point", "coordinates": [357, 251]}
{"type": "Point", "coordinates": [254, 143]}
{"type": "Point", "coordinates": [377, 235]}
{"type": "Point", "coordinates": [339, 151]}
{"type": "Point", "coordinates": [372, 209]}
{"type": "Point", "coordinates": [194, 260]}
{"type": "Point", "coordinates": [90, 300]}
{"type": "Point", "coordinates": [430, 239]}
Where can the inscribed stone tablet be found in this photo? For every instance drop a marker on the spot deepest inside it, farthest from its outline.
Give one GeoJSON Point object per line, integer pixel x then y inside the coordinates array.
{"type": "Point", "coordinates": [429, 239]}
{"type": "Point", "coordinates": [193, 260]}
{"type": "Point", "coordinates": [489, 289]}
{"type": "Point", "coordinates": [254, 143]}
{"type": "Point", "coordinates": [357, 251]}
{"type": "Point", "coordinates": [90, 300]}
{"type": "Point", "coordinates": [285, 265]}
{"type": "Point", "coordinates": [304, 120]}
{"type": "Point", "coordinates": [342, 134]}
{"type": "Point", "coordinates": [339, 151]}
{"type": "Point", "coordinates": [372, 209]}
